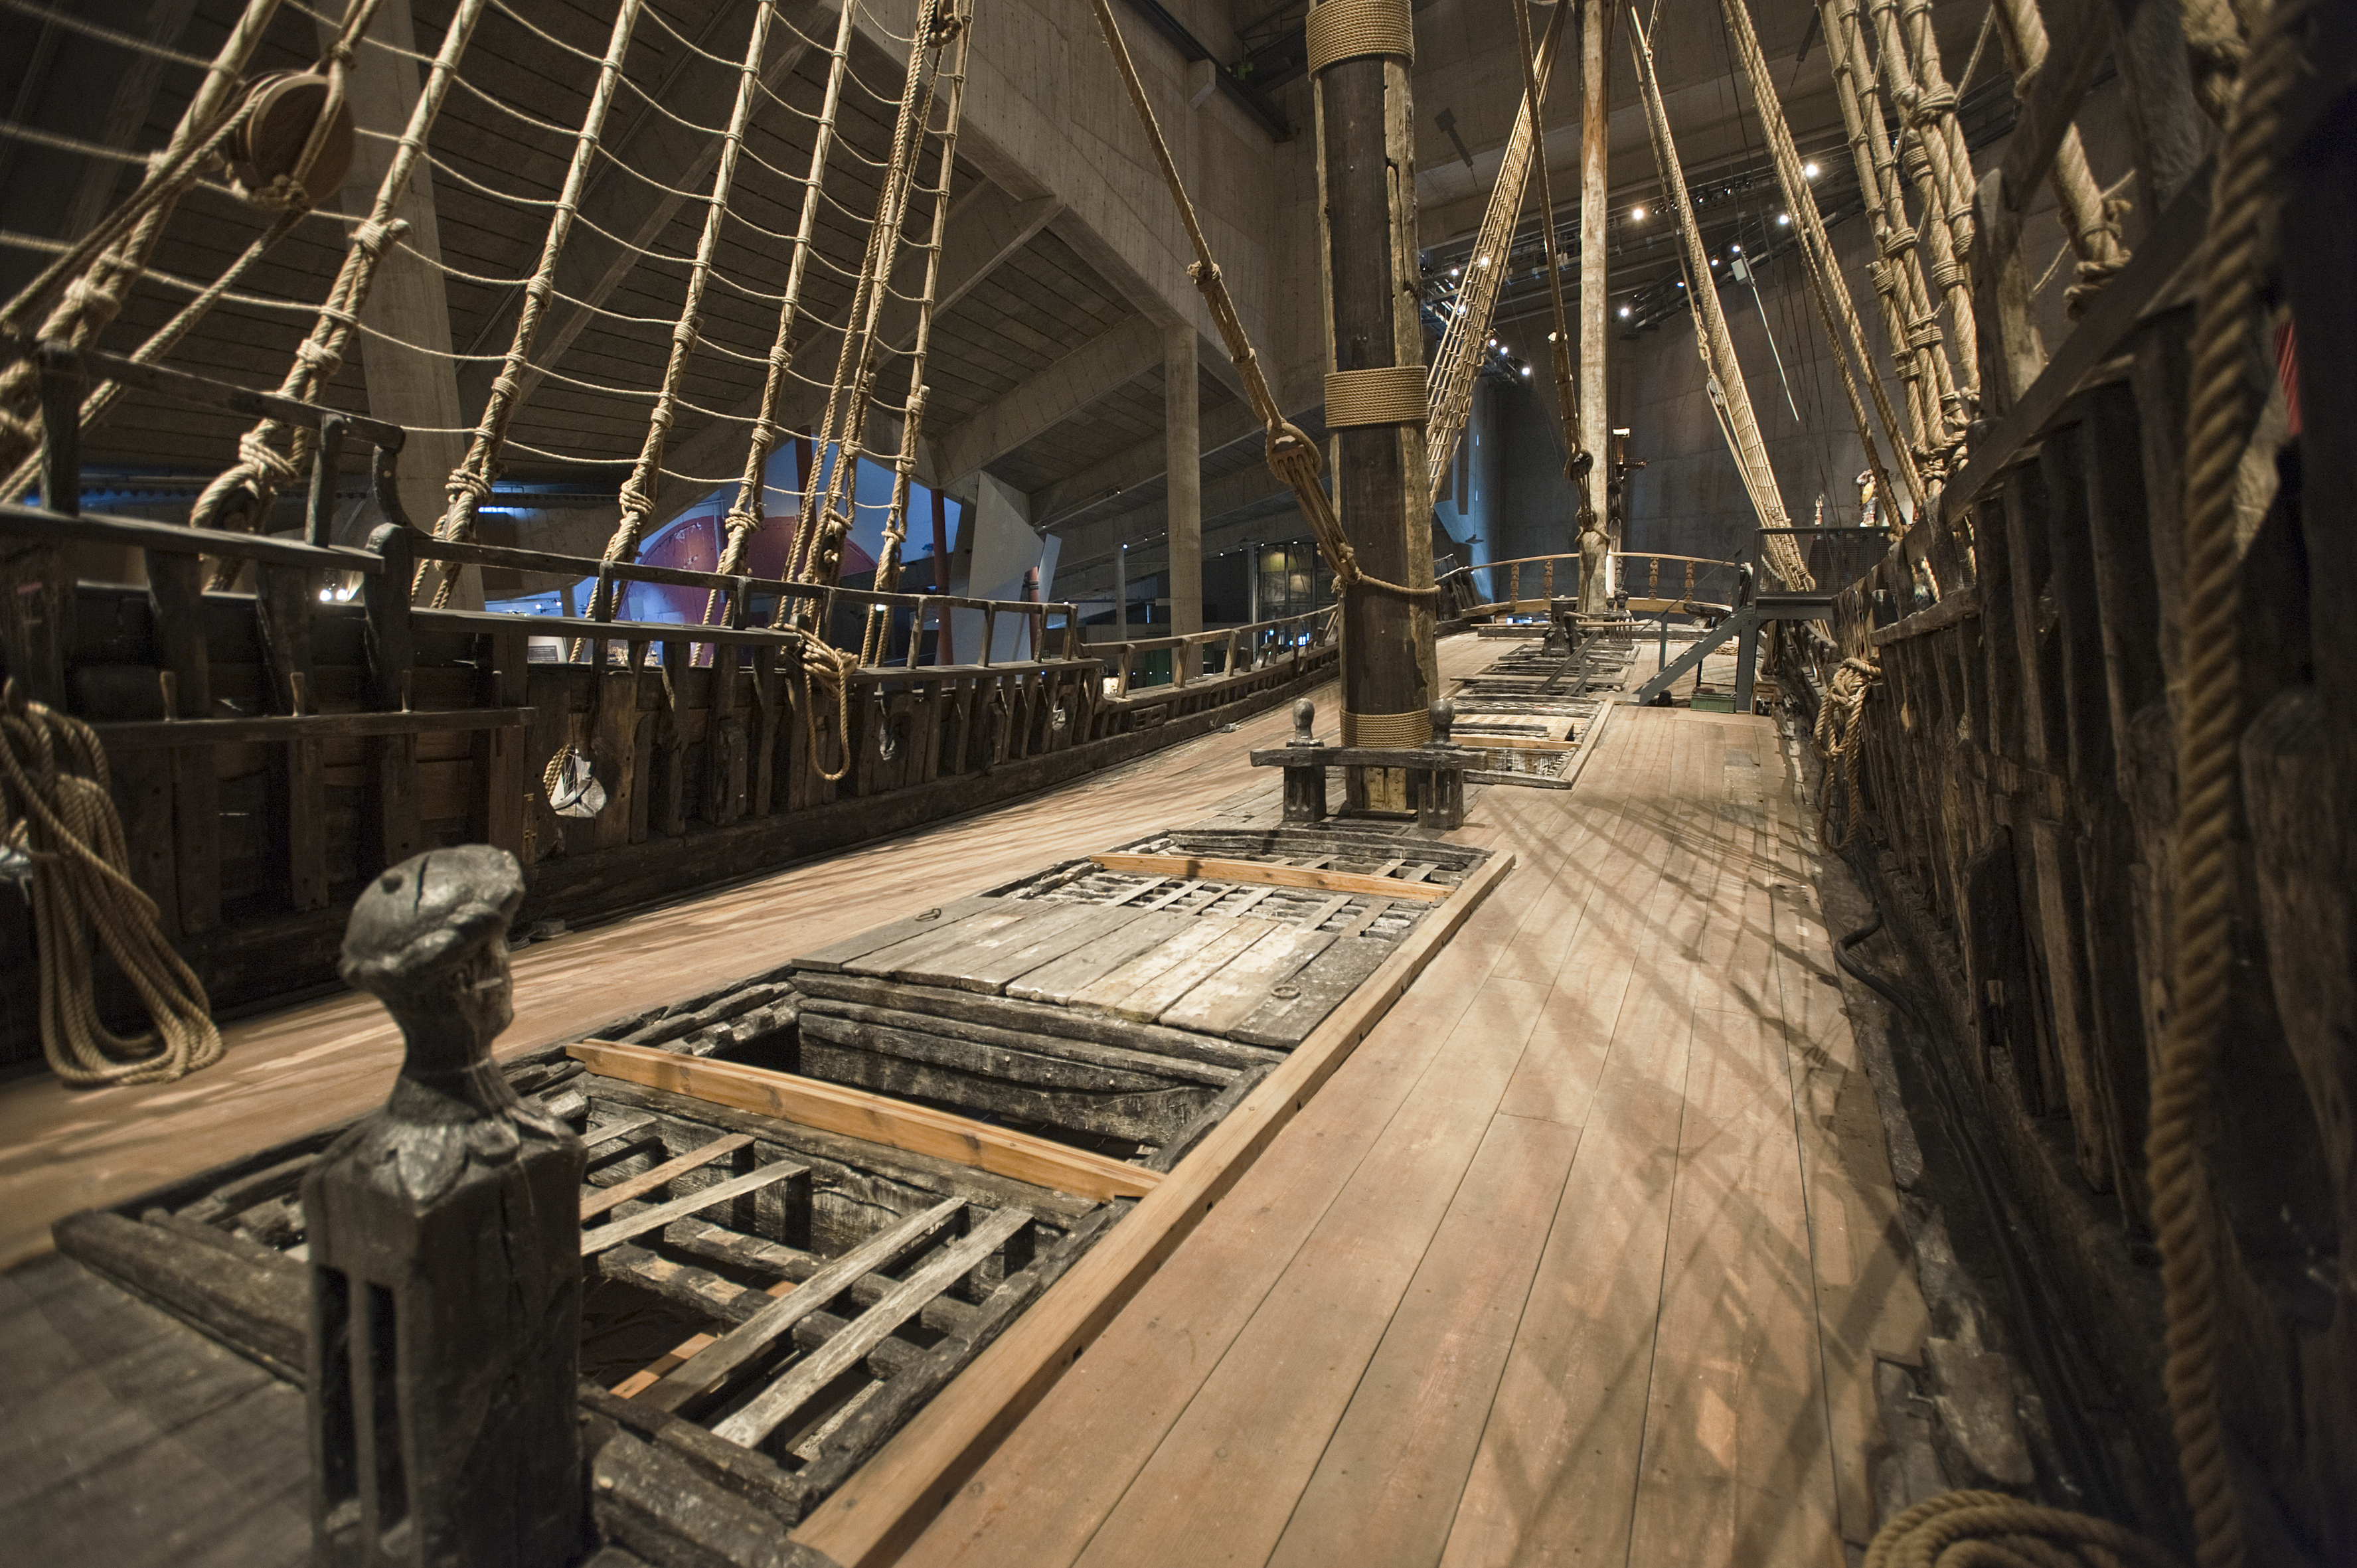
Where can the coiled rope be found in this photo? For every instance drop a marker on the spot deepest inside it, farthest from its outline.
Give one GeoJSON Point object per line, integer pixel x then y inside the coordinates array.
{"type": "Point", "coordinates": [55, 809]}
{"type": "Point", "coordinates": [1991, 1530]}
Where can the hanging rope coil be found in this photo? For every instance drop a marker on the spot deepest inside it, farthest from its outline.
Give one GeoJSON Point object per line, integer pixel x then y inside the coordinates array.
{"type": "Point", "coordinates": [829, 667]}
{"type": "Point", "coordinates": [1991, 1530]}
{"type": "Point", "coordinates": [57, 810]}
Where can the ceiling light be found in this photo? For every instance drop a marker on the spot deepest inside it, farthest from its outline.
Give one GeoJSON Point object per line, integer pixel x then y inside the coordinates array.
{"type": "Point", "coordinates": [1808, 171]}
{"type": "Point", "coordinates": [1783, 219]}
{"type": "Point", "coordinates": [1737, 249]}
{"type": "Point", "coordinates": [1624, 313]}
{"type": "Point", "coordinates": [1455, 272]}
{"type": "Point", "coordinates": [1637, 214]}
{"type": "Point", "coordinates": [1526, 370]}
{"type": "Point", "coordinates": [1714, 261]}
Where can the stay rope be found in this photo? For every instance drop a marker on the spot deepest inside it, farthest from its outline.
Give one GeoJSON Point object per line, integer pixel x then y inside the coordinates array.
{"type": "Point", "coordinates": [1292, 456]}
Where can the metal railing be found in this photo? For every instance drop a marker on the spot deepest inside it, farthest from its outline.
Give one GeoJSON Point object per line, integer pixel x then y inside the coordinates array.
{"type": "Point", "coordinates": [1239, 649]}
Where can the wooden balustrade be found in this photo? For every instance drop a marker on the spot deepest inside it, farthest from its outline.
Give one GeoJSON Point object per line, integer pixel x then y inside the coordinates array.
{"type": "Point", "coordinates": [273, 748]}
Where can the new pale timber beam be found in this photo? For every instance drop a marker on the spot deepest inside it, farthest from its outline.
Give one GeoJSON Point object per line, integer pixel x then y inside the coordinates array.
{"type": "Point", "coordinates": [1257, 873]}
{"type": "Point", "coordinates": [855, 1113]}
{"type": "Point", "coordinates": [1093, 371]}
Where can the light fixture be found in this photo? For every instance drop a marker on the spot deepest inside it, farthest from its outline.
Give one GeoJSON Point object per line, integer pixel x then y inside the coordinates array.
{"type": "Point", "coordinates": [1808, 171]}
{"type": "Point", "coordinates": [1624, 313]}
{"type": "Point", "coordinates": [1482, 261]}
{"type": "Point", "coordinates": [1455, 272]}
{"type": "Point", "coordinates": [1714, 261]}
{"type": "Point", "coordinates": [1637, 214]}
{"type": "Point", "coordinates": [1526, 371]}
{"type": "Point", "coordinates": [1783, 219]}
{"type": "Point", "coordinates": [1735, 250]}
{"type": "Point", "coordinates": [1682, 282]}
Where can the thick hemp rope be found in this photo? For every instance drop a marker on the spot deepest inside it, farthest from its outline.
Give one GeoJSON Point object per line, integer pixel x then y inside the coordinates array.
{"type": "Point", "coordinates": [1840, 737]}
{"type": "Point", "coordinates": [55, 809]}
{"type": "Point", "coordinates": [1292, 456]}
{"type": "Point", "coordinates": [2223, 410]}
{"type": "Point", "coordinates": [96, 273]}
{"type": "Point", "coordinates": [1981, 1528]}
{"type": "Point", "coordinates": [245, 491]}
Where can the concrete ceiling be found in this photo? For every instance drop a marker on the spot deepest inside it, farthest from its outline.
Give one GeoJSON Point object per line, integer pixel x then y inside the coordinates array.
{"type": "Point", "coordinates": [1045, 370]}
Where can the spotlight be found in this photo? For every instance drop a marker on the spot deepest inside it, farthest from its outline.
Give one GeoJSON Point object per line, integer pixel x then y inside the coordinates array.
{"type": "Point", "coordinates": [1637, 214]}
{"type": "Point", "coordinates": [1455, 272]}
{"type": "Point", "coordinates": [1714, 261]}
{"type": "Point", "coordinates": [1735, 250]}
{"type": "Point", "coordinates": [1783, 219]}
{"type": "Point", "coordinates": [1624, 313]}
{"type": "Point", "coordinates": [1526, 371]}
{"type": "Point", "coordinates": [1808, 171]}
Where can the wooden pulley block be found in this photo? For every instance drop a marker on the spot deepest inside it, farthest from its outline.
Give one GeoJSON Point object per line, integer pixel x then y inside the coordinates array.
{"type": "Point", "coordinates": [268, 149]}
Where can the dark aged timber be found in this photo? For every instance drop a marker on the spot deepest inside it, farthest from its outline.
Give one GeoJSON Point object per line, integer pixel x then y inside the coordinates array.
{"type": "Point", "coordinates": [791, 784]}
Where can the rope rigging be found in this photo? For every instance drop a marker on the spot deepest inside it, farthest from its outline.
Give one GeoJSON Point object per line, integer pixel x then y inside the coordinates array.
{"type": "Point", "coordinates": [1729, 398]}
{"type": "Point", "coordinates": [57, 810]}
{"type": "Point", "coordinates": [1577, 463]}
{"type": "Point", "coordinates": [1292, 456]}
{"type": "Point", "coordinates": [1455, 364]}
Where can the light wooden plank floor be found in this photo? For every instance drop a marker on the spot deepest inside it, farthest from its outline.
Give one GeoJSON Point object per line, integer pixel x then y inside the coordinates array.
{"type": "Point", "coordinates": [313, 1064]}
{"type": "Point", "coordinates": [1581, 1258]}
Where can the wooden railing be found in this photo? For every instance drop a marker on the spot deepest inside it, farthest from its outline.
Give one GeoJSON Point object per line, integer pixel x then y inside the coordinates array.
{"type": "Point", "coordinates": [272, 748]}
{"type": "Point", "coordinates": [1218, 655]}
{"type": "Point", "coordinates": [1699, 580]}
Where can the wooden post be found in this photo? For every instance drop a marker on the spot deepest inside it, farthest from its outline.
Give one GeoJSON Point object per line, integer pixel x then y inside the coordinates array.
{"type": "Point", "coordinates": [1594, 155]}
{"type": "Point", "coordinates": [1367, 206]}
{"type": "Point", "coordinates": [1183, 463]}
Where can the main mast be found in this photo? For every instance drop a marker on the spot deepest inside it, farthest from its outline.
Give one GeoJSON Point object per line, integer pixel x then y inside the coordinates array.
{"type": "Point", "coordinates": [1360, 52]}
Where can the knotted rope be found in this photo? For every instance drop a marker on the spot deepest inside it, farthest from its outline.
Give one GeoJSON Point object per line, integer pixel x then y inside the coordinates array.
{"type": "Point", "coordinates": [1292, 456]}
{"type": "Point", "coordinates": [470, 482]}
{"type": "Point", "coordinates": [1836, 312]}
{"type": "Point", "coordinates": [245, 492]}
{"type": "Point", "coordinates": [827, 666]}
{"type": "Point", "coordinates": [638, 491]}
{"type": "Point", "coordinates": [1840, 737]}
{"type": "Point", "coordinates": [94, 274]}
{"type": "Point", "coordinates": [1730, 401]}
{"type": "Point", "coordinates": [55, 809]}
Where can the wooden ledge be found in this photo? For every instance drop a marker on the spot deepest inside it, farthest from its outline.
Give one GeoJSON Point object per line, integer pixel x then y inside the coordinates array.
{"type": "Point", "coordinates": [855, 1113]}
{"type": "Point", "coordinates": [874, 1516]}
{"type": "Point", "coordinates": [1259, 874]}
{"type": "Point", "coordinates": [1961, 605]}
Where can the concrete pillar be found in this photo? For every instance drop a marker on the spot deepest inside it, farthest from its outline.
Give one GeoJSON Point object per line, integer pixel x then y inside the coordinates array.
{"type": "Point", "coordinates": [408, 299]}
{"type": "Point", "coordinates": [1120, 592]}
{"type": "Point", "coordinates": [1183, 456]}
{"type": "Point", "coordinates": [1595, 263]}
{"type": "Point", "coordinates": [1366, 115]}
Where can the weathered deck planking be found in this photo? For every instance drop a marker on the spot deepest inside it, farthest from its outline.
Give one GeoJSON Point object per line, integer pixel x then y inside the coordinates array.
{"type": "Point", "coordinates": [1635, 1160]}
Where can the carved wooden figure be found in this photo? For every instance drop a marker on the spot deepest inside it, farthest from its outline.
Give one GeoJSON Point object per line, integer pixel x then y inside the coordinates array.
{"type": "Point", "coordinates": [445, 1237]}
